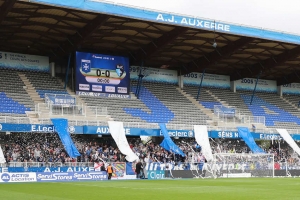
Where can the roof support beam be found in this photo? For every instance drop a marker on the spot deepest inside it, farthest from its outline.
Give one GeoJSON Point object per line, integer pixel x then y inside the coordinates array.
{"type": "Point", "coordinates": [266, 64]}
{"type": "Point", "coordinates": [46, 15]}
{"type": "Point", "coordinates": [5, 8]}
{"type": "Point", "coordinates": [158, 44]}
{"type": "Point", "coordinates": [290, 78]}
{"type": "Point", "coordinates": [215, 56]}
{"type": "Point", "coordinates": [73, 42]}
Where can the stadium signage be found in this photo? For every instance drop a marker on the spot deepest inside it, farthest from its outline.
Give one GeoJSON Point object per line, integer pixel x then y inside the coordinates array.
{"type": "Point", "coordinates": [186, 21]}
{"type": "Point", "coordinates": [179, 133]}
{"type": "Point", "coordinates": [270, 136]}
{"type": "Point", "coordinates": [70, 176]}
{"type": "Point", "coordinates": [17, 177]}
{"type": "Point", "coordinates": [42, 128]}
{"type": "Point", "coordinates": [95, 94]}
{"type": "Point", "coordinates": [228, 134]}
{"type": "Point", "coordinates": [156, 174]}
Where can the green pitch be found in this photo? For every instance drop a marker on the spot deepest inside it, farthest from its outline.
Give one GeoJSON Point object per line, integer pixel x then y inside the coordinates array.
{"type": "Point", "coordinates": [235, 189]}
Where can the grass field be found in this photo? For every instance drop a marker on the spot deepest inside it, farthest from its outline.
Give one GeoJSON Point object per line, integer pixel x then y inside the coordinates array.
{"type": "Point", "coordinates": [235, 189]}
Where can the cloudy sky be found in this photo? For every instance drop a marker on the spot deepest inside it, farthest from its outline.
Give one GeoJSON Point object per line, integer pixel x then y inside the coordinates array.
{"type": "Point", "coordinates": [279, 15]}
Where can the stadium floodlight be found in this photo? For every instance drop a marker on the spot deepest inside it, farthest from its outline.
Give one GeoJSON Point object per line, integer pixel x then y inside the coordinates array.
{"type": "Point", "coordinates": [214, 45]}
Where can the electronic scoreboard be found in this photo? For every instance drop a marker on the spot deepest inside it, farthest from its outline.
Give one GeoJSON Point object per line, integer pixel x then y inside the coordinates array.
{"type": "Point", "coordinates": [102, 73]}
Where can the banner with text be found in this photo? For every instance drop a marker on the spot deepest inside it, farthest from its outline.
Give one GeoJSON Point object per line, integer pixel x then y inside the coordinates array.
{"type": "Point", "coordinates": [292, 88]}
{"type": "Point", "coordinates": [24, 61]}
{"type": "Point", "coordinates": [194, 22]}
{"type": "Point", "coordinates": [154, 75]}
{"type": "Point", "coordinates": [262, 85]}
{"type": "Point", "coordinates": [209, 80]}
{"type": "Point", "coordinates": [70, 176]}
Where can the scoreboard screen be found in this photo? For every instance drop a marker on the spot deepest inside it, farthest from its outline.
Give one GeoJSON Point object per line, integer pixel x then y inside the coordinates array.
{"type": "Point", "coordinates": [98, 73]}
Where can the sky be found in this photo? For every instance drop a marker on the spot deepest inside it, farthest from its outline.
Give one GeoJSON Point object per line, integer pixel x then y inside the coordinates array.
{"type": "Point", "coordinates": [278, 15]}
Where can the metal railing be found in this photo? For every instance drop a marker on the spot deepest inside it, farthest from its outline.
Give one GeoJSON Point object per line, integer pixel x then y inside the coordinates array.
{"type": "Point", "coordinates": [14, 120]}
{"type": "Point", "coordinates": [47, 164]}
{"type": "Point", "coordinates": [98, 111]}
{"type": "Point", "coordinates": [47, 121]}
{"type": "Point", "coordinates": [50, 109]}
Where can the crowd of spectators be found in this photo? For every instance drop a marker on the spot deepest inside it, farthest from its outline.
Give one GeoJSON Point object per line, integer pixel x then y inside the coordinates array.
{"type": "Point", "coordinates": [47, 148]}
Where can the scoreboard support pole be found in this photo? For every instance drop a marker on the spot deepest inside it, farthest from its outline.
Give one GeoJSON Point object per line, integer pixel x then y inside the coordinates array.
{"type": "Point", "coordinates": [67, 71]}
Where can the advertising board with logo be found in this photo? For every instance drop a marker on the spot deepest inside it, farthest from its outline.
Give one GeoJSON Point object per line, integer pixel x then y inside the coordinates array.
{"type": "Point", "coordinates": [17, 177]}
{"type": "Point", "coordinates": [262, 85]}
{"type": "Point", "coordinates": [209, 80]}
{"type": "Point", "coordinates": [70, 176]}
{"type": "Point", "coordinates": [98, 73]}
{"type": "Point", "coordinates": [156, 174]}
{"type": "Point", "coordinates": [292, 88]}
{"type": "Point", "coordinates": [154, 75]}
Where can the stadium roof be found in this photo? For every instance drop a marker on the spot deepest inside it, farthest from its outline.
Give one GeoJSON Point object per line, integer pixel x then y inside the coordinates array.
{"type": "Point", "coordinates": [32, 28]}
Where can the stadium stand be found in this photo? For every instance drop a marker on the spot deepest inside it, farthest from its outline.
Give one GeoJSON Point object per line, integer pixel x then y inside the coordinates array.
{"type": "Point", "coordinates": [157, 103]}
{"type": "Point", "coordinates": [278, 113]}
{"type": "Point", "coordinates": [185, 112]}
{"type": "Point", "coordinates": [206, 99]}
{"type": "Point", "coordinates": [44, 83]}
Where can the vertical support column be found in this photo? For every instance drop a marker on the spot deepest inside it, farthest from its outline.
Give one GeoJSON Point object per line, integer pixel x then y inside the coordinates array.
{"type": "Point", "coordinates": [141, 76]}
{"type": "Point", "coordinates": [52, 69]}
{"type": "Point", "coordinates": [140, 81]}
{"type": "Point", "coordinates": [67, 71]}
{"type": "Point", "coordinates": [254, 90]}
{"type": "Point", "coordinates": [200, 86]}
{"type": "Point", "coordinates": [279, 90]}
{"type": "Point", "coordinates": [180, 80]}
{"type": "Point", "coordinates": [233, 86]}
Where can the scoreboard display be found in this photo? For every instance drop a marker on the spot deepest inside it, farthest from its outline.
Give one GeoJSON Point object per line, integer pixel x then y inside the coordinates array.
{"type": "Point", "coordinates": [98, 73]}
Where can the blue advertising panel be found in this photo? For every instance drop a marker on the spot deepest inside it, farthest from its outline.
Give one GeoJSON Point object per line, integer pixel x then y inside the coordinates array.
{"type": "Point", "coordinates": [97, 73]}
{"type": "Point", "coordinates": [70, 176]}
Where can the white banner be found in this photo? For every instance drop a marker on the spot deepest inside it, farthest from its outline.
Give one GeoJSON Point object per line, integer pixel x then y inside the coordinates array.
{"type": "Point", "coordinates": [262, 85]}
{"type": "Point", "coordinates": [155, 75]}
{"type": "Point", "coordinates": [209, 80]}
{"type": "Point", "coordinates": [118, 133]}
{"type": "Point", "coordinates": [201, 136]}
{"type": "Point", "coordinates": [24, 61]}
{"type": "Point", "coordinates": [2, 159]}
{"type": "Point", "coordinates": [18, 177]}
{"type": "Point", "coordinates": [287, 137]}
{"type": "Point", "coordinates": [292, 88]}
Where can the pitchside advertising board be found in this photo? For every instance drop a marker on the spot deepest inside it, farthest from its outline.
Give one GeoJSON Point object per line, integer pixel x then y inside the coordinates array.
{"type": "Point", "coordinates": [24, 61]}
{"type": "Point", "coordinates": [102, 75]}
{"type": "Point", "coordinates": [52, 176]}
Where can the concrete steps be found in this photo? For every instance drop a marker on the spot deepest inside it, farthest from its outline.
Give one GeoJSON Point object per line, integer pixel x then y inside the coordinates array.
{"type": "Point", "coordinates": [30, 89]}
{"type": "Point", "coordinates": [217, 99]}
{"type": "Point", "coordinates": [196, 103]}
{"type": "Point", "coordinates": [290, 103]}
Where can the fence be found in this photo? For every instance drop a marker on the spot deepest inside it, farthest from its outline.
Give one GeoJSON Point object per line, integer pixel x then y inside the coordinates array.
{"type": "Point", "coordinates": [49, 109]}
{"type": "Point", "coordinates": [14, 120]}
{"type": "Point", "coordinates": [47, 164]}
{"type": "Point", "coordinates": [47, 121]}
